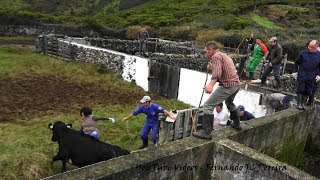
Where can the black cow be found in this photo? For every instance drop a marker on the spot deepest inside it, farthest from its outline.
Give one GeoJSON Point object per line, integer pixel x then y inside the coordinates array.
{"type": "Point", "coordinates": [81, 148]}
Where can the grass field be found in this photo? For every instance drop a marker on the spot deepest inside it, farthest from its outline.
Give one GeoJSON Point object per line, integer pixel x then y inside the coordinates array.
{"type": "Point", "coordinates": [37, 90]}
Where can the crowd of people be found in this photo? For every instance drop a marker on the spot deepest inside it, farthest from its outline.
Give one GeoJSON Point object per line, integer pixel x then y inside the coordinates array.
{"type": "Point", "coordinates": [306, 72]}
{"type": "Point", "coordinates": [223, 71]}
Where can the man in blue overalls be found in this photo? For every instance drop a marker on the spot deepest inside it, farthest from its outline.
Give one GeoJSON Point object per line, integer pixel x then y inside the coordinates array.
{"type": "Point", "coordinates": [151, 110]}
{"type": "Point", "coordinates": [307, 71]}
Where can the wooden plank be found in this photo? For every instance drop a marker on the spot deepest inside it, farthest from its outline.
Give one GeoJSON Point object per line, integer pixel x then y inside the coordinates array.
{"type": "Point", "coordinates": [187, 119]}
{"type": "Point", "coordinates": [177, 126]}
{"type": "Point", "coordinates": [164, 79]}
{"type": "Point", "coordinates": [173, 81]}
{"type": "Point", "coordinates": [170, 132]}
{"type": "Point", "coordinates": [162, 132]}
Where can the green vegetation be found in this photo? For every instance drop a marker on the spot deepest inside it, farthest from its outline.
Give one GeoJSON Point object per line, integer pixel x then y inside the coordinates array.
{"type": "Point", "coordinates": [25, 143]}
{"type": "Point", "coordinates": [264, 22]}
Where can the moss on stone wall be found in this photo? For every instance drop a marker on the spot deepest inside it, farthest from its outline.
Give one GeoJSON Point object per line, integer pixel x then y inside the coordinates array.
{"type": "Point", "coordinates": [292, 151]}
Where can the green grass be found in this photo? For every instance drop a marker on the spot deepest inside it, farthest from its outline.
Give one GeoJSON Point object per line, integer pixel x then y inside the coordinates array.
{"type": "Point", "coordinates": [265, 22]}
{"type": "Point", "coordinates": [13, 5]}
{"type": "Point", "coordinates": [26, 147]}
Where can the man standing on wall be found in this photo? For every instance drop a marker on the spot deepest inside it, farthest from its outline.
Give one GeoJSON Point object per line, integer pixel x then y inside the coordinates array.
{"type": "Point", "coordinates": [307, 72]}
{"type": "Point", "coordinates": [275, 60]}
{"type": "Point", "coordinates": [224, 72]}
{"type": "Point", "coordinates": [260, 51]}
{"type": "Point", "coordinates": [143, 36]}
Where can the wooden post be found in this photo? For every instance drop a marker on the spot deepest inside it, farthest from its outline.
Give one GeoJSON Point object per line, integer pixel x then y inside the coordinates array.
{"type": "Point", "coordinates": [284, 64]}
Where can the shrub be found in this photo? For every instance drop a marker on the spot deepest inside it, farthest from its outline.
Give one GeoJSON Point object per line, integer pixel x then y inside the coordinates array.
{"type": "Point", "coordinates": [239, 23]}
{"type": "Point", "coordinates": [132, 32]}
{"type": "Point", "coordinates": [207, 35]}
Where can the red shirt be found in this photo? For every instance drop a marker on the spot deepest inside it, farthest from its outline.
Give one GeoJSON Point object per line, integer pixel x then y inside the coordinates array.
{"type": "Point", "coordinates": [224, 70]}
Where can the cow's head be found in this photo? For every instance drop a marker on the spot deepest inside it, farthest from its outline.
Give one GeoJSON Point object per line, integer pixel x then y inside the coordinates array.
{"type": "Point", "coordinates": [58, 128]}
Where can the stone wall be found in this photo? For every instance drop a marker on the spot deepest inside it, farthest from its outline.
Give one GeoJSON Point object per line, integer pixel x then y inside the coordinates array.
{"type": "Point", "coordinates": [72, 31]}
{"type": "Point", "coordinates": [132, 47]}
{"type": "Point", "coordinates": [61, 46]}
{"type": "Point", "coordinates": [229, 155]}
{"type": "Point", "coordinates": [183, 55]}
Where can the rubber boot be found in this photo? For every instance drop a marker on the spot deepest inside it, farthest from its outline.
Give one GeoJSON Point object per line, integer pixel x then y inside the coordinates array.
{"type": "Point", "coordinates": [145, 144]}
{"type": "Point", "coordinates": [304, 102]}
{"type": "Point", "coordinates": [263, 81]}
{"type": "Point", "coordinates": [278, 83]}
{"type": "Point", "coordinates": [207, 125]}
{"type": "Point", "coordinates": [310, 100]}
{"type": "Point", "coordinates": [299, 100]}
{"type": "Point", "coordinates": [236, 120]}
{"type": "Point", "coordinates": [251, 76]}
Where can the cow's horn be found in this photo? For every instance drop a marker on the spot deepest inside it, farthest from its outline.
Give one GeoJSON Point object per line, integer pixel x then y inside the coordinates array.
{"type": "Point", "coordinates": [69, 125]}
{"type": "Point", "coordinates": [50, 126]}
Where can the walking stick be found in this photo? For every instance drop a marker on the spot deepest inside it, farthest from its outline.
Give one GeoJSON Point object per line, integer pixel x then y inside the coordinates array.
{"type": "Point", "coordinates": [195, 117]}
{"type": "Point", "coordinates": [237, 50]}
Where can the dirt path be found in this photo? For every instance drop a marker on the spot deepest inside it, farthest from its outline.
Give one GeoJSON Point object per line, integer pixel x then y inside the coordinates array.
{"type": "Point", "coordinates": [30, 96]}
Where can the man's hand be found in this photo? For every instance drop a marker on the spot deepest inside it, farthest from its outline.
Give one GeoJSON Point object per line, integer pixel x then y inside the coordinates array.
{"type": "Point", "coordinates": [270, 64]}
{"type": "Point", "coordinates": [124, 119]}
{"type": "Point", "coordinates": [208, 88]}
{"type": "Point", "coordinates": [209, 66]}
{"type": "Point", "coordinates": [216, 122]}
{"type": "Point", "coordinates": [264, 58]}
{"type": "Point", "coordinates": [294, 75]}
{"type": "Point", "coordinates": [317, 78]}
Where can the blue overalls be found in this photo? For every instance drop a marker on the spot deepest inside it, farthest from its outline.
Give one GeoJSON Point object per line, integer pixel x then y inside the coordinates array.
{"type": "Point", "coordinates": [309, 68]}
{"type": "Point", "coordinates": [151, 120]}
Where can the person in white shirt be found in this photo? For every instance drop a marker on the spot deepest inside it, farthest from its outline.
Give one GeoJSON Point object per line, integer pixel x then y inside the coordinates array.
{"type": "Point", "coordinates": [220, 117]}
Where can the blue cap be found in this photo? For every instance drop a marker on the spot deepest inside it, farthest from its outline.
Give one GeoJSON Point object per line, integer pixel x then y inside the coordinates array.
{"type": "Point", "coordinates": [240, 108]}
{"type": "Point", "coordinates": [287, 99]}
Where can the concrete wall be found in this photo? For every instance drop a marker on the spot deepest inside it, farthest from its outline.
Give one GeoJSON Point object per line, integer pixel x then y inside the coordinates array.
{"type": "Point", "coordinates": [220, 158]}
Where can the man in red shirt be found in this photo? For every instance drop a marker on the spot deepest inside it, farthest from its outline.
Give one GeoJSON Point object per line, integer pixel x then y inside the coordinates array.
{"type": "Point", "coordinates": [224, 72]}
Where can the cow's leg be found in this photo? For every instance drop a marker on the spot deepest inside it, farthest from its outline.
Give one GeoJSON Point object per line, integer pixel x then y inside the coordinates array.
{"type": "Point", "coordinates": [63, 168]}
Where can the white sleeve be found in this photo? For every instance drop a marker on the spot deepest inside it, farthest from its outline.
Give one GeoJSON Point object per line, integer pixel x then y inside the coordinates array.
{"type": "Point", "coordinates": [225, 120]}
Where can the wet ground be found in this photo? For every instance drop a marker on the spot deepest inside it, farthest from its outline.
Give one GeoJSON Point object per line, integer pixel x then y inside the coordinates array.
{"type": "Point", "coordinates": [35, 95]}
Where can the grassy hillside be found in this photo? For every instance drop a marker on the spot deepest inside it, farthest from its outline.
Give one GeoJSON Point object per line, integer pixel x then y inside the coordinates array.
{"type": "Point", "coordinates": [37, 90]}
{"type": "Point", "coordinates": [154, 13]}
{"type": "Point", "coordinates": [294, 22]}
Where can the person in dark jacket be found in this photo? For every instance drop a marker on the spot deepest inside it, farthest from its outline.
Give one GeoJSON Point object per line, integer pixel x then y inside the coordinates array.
{"type": "Point", "coordinates": [307, 72]}
{"type": "Point", "coordinates": [275, 59]}
{"type": "Point", "coordinates": [243, 114]}
{"type": "Point", "coordinates": [143, 36]}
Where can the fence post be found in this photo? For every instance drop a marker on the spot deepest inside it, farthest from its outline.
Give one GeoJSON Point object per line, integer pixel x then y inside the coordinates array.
{"type": "Point", "coordinates": [161, 129]}
{"type": "Point", "coordinates": [45, 44]}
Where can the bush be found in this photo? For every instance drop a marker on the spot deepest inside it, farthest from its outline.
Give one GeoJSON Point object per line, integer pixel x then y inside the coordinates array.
{"type": "Point", "coordinates": [132, 32]}
{"type": "Point", "coordinates": [207, 35]}
{"type": "Point", "coordinates": [239, 23]}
